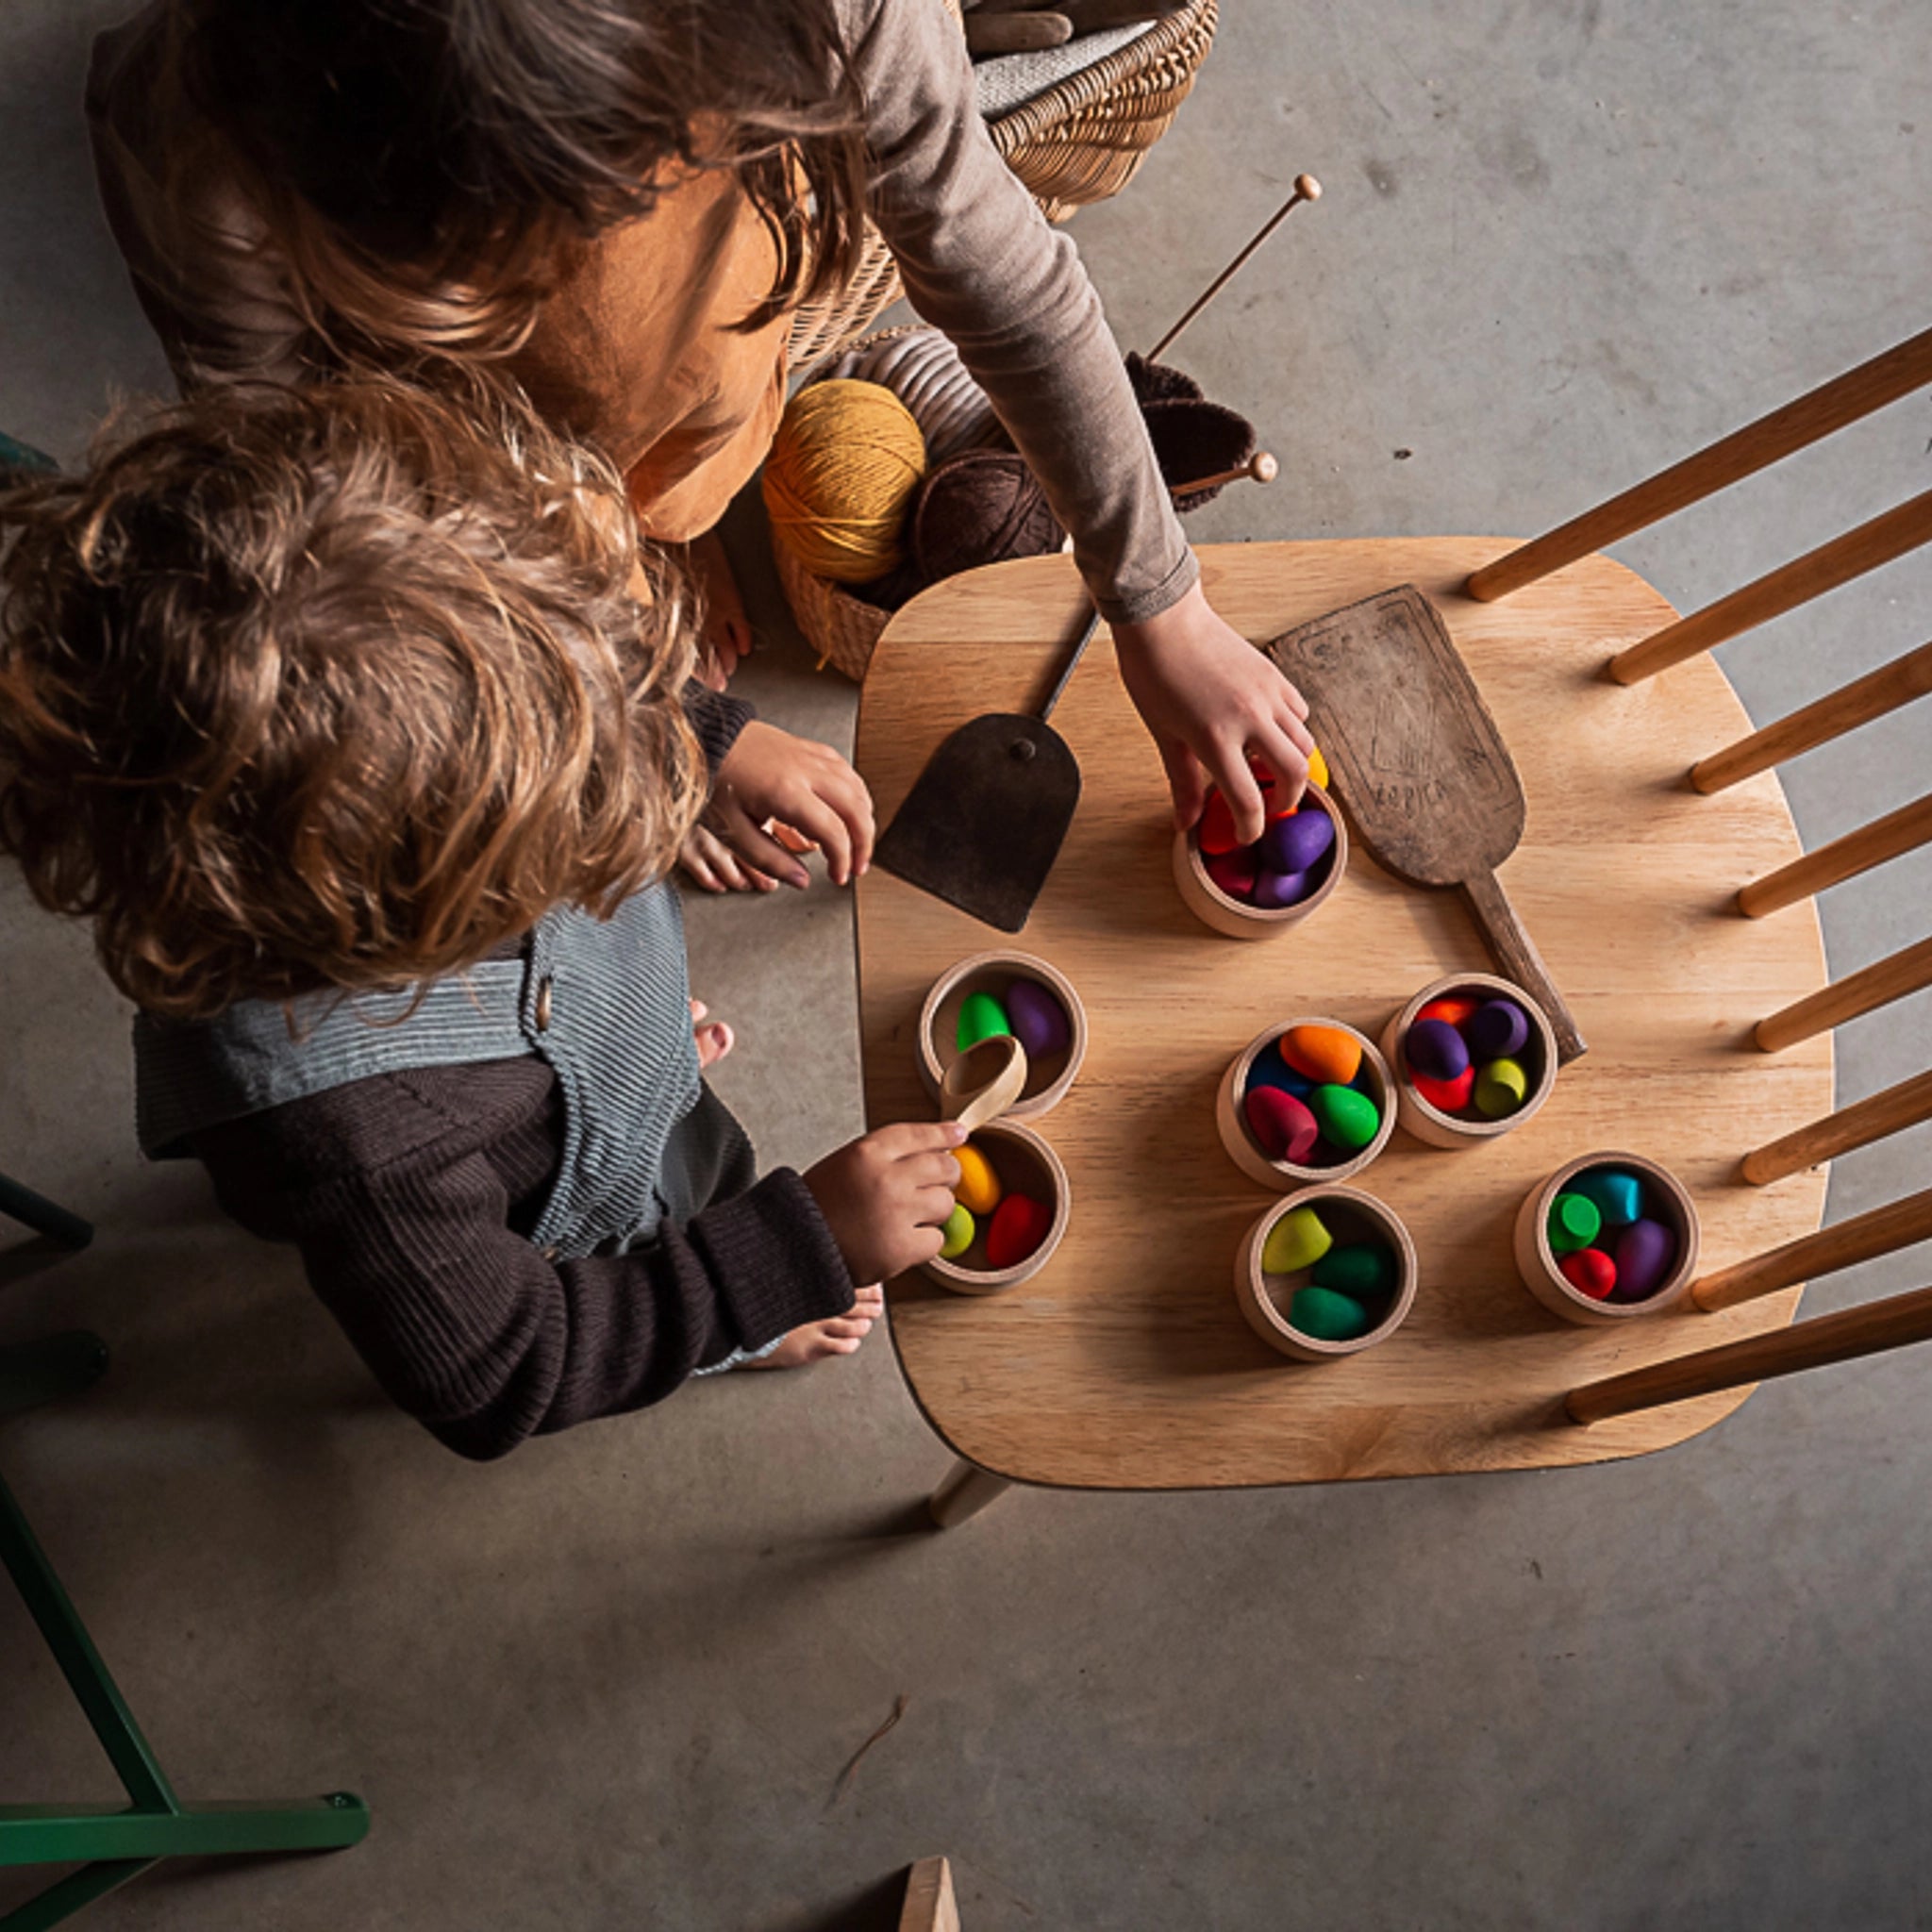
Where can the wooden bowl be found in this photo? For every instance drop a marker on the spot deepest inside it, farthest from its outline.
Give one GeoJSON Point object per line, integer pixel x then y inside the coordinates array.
{"type": "Point", "coordinates": [1233, 1124]}
{"type": "Point", "coordinates": [1047, 1080]}
{"type": "Point", "coordinates": [1537, 1262]}
{"type": "Point", "coordinates": [1023, 1162]}
{"type": "Point", "coordinates": [1213, 908]}
{"type": "Point", "coordinates": [1429, 1123]}
{"type": "Point", "coordinates": [1349, 1213]}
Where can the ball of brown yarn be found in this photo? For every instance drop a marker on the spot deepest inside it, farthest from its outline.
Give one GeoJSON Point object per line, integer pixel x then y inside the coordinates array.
{"type": "Point", "coordinates": [846, 460]}
{"type": "Point", "coordinates": [983, 506]}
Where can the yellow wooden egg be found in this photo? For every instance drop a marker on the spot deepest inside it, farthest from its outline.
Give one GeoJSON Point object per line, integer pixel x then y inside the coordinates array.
{"type": "Point", "coordinates": [979, 1189]}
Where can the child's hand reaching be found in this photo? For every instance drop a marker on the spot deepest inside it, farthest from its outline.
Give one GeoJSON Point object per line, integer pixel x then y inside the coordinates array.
{"type": "Point", "coordinates": [771, 774]}
{"type": "Point", "coordinates": [886, 1197]}
{"type": "Point", "coordinates": [1211, 700]}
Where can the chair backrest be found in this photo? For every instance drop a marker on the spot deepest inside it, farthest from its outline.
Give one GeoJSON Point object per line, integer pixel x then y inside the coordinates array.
{"type": "Point", "coordinates": [1898, 1320]}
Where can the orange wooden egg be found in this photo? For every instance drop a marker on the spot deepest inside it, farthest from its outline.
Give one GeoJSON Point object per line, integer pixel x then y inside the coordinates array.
{"type": "Point", "coordinates": [1454, 1010]}
{"type": "Point", "coordinates": [1325, 1054]}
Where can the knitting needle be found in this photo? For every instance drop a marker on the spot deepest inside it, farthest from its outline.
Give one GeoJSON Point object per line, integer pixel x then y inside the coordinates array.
{"type": "Point", "coordinates": [1305, 189]}
{"type": "Point", "coordinates": [1262, 467]}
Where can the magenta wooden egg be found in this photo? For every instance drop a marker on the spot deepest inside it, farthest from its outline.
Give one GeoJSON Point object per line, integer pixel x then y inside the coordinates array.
{"type": "Point", "coordinates": [1283, 1126]}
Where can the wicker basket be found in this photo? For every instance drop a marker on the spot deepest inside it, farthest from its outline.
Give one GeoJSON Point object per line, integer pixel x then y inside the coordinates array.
{"type": "Point", "coordinates": [1080, 142]}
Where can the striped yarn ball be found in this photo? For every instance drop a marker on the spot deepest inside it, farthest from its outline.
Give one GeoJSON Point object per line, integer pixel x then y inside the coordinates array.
{"type": "Point", "coordinates": [847, 459]}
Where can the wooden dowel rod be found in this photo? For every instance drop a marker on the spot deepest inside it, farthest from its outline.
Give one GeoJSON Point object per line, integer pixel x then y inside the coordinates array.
{"type": "Point", "coordinates": [1891, 1112]}
{"type": "Point", "coordinates": [1305, 189]}
{"type": "Point", "coordinates": [1745, 451]}
{"type": "Point", "coordinates": [1905, 970]}
{"type": "Point", "coordinates": [1864, 1238]}
{"type": "Point", "coordinates": [1881, 690]}
{"type": "Point", "coordinates": [1898, 530]}
{"type": "Point", "coordinates": [1896, 1322]}
{"type": "Point", "coordinates": [1901, 831]}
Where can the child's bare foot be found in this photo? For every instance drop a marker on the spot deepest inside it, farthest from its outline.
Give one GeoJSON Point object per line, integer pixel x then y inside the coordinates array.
{"type": "Point", "coordinates": [715, 1040]}
{"type": "Point", "coordinates": [842, 1335]}
{"type": "Point", "coordinates": [707, 862]}
{"type": "Point", "coordinates": [728, 630]}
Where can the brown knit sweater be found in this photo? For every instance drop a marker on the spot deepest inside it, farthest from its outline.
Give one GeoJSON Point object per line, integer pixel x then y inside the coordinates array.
{"type": "Point", "coordinates": [411, 1196]}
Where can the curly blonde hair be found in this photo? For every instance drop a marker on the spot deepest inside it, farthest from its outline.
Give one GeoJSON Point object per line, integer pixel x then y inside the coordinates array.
{"type": "Point", "coordinates": [336, 688]}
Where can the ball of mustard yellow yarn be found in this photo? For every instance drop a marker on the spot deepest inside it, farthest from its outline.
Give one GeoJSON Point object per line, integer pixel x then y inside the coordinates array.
{"type": "Point", "coordinates": [847, 459]}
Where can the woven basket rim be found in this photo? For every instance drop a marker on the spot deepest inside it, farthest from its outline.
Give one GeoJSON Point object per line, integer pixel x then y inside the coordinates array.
{"type": "Point", "coordinates": [1089, 88]}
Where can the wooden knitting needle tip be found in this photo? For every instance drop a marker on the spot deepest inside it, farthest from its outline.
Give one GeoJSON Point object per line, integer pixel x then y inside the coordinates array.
{"type": "Point", "coordinates": [1305, 189]}
{"type": "Point", "coordinates": [1259, 468]}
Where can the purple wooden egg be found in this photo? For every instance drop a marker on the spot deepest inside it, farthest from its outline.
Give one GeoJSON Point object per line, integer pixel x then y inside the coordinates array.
{"type": "Point", "coordinates": [1039, 1021]}
{"type": "Point", "coordinates": [1645, 1253]}
{"type": "Point", "coordinates": [1497, 1030]}
{"type": "Point", "coordinates": [1294, 843]}
{"type": "Point", "coordinates": [1436, 1050]}
{"type": "Point", "coordinates": [1275, 890]}
{"type": "Point", "coordinates": [1284, 1129]}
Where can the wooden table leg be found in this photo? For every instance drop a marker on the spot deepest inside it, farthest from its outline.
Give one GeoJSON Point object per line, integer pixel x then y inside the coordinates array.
{"type": "Point", "coordinates": [966, 1491]}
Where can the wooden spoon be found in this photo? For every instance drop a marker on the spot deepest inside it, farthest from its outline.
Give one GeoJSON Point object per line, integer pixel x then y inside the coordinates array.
{"type": "Point", "coordinates": [983, 1082]}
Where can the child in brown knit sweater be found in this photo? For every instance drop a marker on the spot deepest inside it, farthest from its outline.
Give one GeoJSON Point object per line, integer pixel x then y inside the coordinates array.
{"type": "Point", "coordinates": [359, 725]}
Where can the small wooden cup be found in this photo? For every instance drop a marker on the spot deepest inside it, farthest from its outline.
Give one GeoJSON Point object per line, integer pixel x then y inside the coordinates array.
{"type": "Point", "coordinates": [1024, 1164]}
{"type": "Point", "coordinates": [1048, 1079]}
{"type": "Point", "coordinates": [1237, 920]}
{"type": "Point", "coordinates": [1431, 1124]}
{"type": "Point", "coordinates": [1536, 1261]}
{"type": "Point", "coordinates": [1232, 1120]}
{"type": "Point", "coordinates": [1350, 1215]}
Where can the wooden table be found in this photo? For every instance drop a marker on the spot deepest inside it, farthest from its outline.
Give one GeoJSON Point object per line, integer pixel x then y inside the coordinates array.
{"type": "Point", "coordinates": [1126, 1363]}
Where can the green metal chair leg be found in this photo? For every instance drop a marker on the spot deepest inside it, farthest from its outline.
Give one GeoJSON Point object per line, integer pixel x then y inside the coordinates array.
{"type": "Point", "coordinates": [114, 1844]}
{"type": "Point", "coordinates": [43, 1216]}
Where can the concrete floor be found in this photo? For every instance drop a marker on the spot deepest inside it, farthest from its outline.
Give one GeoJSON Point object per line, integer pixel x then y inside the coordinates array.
{"type": "Point", "coordinates": [613, 1682]}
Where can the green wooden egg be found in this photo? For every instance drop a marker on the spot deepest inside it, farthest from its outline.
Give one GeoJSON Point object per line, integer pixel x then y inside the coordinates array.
{"type": "Point", "coordinates": [1325, 1316]}
{"type": "Point", "coordinates": [955, 1234]}
{"type": "Point", "coordinates": [1297, 1241]}
{"type": "Point", "coordinates": [1363, 1269]}
{"type": "Point", "coordinates": [1347, 1119]}
{"type": "Point", "coordinates": [981, 1017]}
{"type": "Point", "coordinates": [1575, 1223]}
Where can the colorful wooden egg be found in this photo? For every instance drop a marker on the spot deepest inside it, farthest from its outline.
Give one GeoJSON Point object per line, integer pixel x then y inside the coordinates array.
{"type": "Point", "coordinates": [981, 1017]}
{"type": "Point", "coordinates": [1348, 1120]}
{"type": "Point", "coordinates": [1574, 1224]}
{"type": "Point", "coordinates": [1590, 1272]}
{"type": "Point", "coordinates": [1018, 1224]}
{"type": "Point", "coordinates": [1327, 1316]}
{"type": "Point", "coordinates": [1297, 1241]}
{"type": "Point", "coordinates": [1297, 841]}
{"type": "Point", "coordinates": [1217, 833]}
{"type": "Point", "coordinates": [1039, 1021]}
{"type": "Point", "coordinates": [1234, 872]}
{"type": "Point", "coordinates": [1436, 1049]}
{"type": "Point", "coordinates": [1446, 1096]}
{"type": "Point", "coordinates": [1268, 1069]}
{"type": "Point", "coordinates": [1283, 1127]}
{"type": "Point", "coordinates": [1449, 1009]}
{"type": "Point", "coordinates": [956, 1233]}
{"type": "Point", "coordinates": [1497, 1030]}
{"type": "Point", "coordinates": [978, 1190]}
{"type": "Point", "coordinates": [1619, 1197]}
{"type": "Point", "coordinates": [1500, 1088]}
{"type": "Point", "coordinates": [1274, 890]}
{"type": "Point", "coordinates": [1363, 1269]}
{"type": "Point", "coordinates": [1326, 1053]}
{"type": "Point", "coordinates": [1646, 1252]}
{"type": "Point", "coordinates": [1317, 768]}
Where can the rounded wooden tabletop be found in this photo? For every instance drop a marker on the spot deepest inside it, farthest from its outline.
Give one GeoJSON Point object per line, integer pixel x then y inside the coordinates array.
{"type": "Point", "coordinates": [1126, 1363]}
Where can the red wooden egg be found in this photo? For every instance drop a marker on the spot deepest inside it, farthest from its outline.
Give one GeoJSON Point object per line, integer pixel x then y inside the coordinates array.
{"type": "Point", "coordinates": [1590, 1272]}
{"type": "Point", "coordinates": [1454, 1010]}
{"type": "Point", "coordinates": [1235, 872]}
{"type": "Point", "coordinates": [1217, 833]}
{"type": "Point", "coordinates": [1282, 1125]}
{"type": "Point", "coordinates": [1018, 1227]}
{"type": "Point", "coordinates": [1446, 1096]}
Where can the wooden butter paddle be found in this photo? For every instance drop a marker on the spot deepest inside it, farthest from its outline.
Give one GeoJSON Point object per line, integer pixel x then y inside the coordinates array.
{"type": "Point", "coordinates": [1417, 761]}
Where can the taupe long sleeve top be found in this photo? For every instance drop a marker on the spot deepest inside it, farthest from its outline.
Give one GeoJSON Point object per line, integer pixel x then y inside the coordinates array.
{"type": "Point", "coordinates": [635, 350]}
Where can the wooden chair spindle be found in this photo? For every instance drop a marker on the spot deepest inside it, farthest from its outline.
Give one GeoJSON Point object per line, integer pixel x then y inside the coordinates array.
{"type": "Point", "coordinates": [1891, 1112]}
{"type": "Point", "coordinates": [1844, 1245]}
{"type": "Point", "coordinates": [1895, 834]}
{"type": "Point", "coordinates": [1905, 971]}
